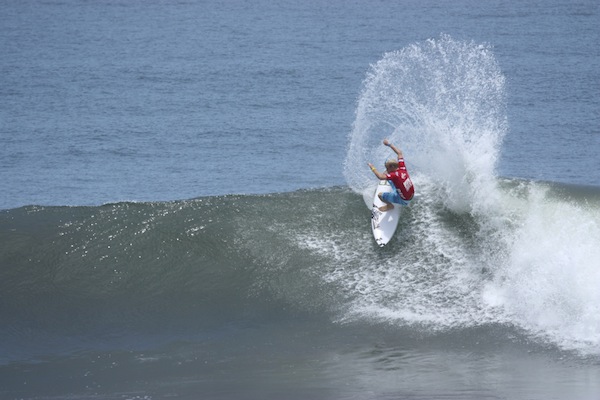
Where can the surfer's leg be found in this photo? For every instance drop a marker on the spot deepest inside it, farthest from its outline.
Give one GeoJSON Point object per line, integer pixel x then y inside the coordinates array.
{"type": "Point", "coordinates": [388, 205]}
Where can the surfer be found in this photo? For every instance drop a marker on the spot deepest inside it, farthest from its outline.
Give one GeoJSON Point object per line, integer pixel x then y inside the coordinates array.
{"type": "Point", "coordinates": [397, 174]}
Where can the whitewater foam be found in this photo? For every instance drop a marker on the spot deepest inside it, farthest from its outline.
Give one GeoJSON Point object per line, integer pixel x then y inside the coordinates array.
{"type": "Point", "coordinates": [470, 250]}
{"type": "Point", "coordinates": [549, 282]}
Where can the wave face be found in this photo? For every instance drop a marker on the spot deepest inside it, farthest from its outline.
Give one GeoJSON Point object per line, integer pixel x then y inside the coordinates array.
{"type": "Point", "coordinates": [97, 272]}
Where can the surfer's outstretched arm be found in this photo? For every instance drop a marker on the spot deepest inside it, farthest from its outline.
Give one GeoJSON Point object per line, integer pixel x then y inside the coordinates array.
{"type": "Point", "coordinates": [378, 174]}
{"type": "Point", "coordinates": [394, 148]}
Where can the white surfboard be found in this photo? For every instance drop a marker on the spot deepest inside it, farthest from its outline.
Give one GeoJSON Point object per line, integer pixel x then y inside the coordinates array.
{"type": "Point", "coordinates": [383, 224]}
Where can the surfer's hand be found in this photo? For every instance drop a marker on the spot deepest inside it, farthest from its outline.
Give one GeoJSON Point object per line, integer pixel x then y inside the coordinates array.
{"type": "Point", "coordinates": [386, 142]}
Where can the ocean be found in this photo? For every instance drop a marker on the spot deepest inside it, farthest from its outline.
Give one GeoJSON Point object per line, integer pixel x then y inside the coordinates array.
{"type": "Point", "coordinates": [185, 192]}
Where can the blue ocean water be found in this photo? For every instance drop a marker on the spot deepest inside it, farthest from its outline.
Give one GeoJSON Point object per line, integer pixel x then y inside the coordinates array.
{"type": "Point", "coordinates": [148, 100]}
{"type": "Point", "coordinates": [150, 119]}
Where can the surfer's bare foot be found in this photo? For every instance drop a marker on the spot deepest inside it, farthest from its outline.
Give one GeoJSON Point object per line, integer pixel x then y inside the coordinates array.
{"type": "Point", "coordinates": [386, 208]}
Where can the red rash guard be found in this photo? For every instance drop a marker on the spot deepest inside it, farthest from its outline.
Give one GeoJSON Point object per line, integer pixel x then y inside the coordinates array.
{"type": "Point", "coordinates": [402, 181]}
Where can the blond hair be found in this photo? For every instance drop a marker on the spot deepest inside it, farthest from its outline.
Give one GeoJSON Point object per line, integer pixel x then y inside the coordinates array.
{"type": "Point", "coordinates": [393, 163]}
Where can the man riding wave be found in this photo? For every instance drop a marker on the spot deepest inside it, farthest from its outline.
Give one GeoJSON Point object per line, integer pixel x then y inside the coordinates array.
{"type": "Point", "coordinates": [397, 174]}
